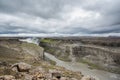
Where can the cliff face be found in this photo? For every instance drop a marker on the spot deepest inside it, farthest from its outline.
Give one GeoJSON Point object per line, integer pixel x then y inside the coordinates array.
{"type": "Point", "coordinates": [103, 57]}
{"type": "Point", "coordinates": [56, 48]}
{"type": "Point", "coordinates": [97, 55]}
{"type": "Point", "coordinates": [13, 49]}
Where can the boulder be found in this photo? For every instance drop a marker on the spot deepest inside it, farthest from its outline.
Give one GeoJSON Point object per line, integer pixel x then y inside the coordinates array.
{"type": "Point", "coordinates": [15, 69]}
{"type": "Point", "coordinates": [7, 77]}
{"type": "Point", "coordinates": [87, 78]}
{"type": "Point", "coordinates": [40, 75]}
{"type": "Point", "coordinates": [21, 67]}
{"type": "Point", "coordinates": [55, 74]}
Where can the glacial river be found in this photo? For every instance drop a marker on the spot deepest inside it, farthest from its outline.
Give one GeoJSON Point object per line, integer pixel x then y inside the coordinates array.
{"type": "Point", "coordinates": [74, 66]}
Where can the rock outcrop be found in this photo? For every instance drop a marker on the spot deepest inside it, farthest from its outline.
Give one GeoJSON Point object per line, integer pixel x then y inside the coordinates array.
{"type": "Point", "coordinates": [21, 67]}
{"type": "Point", "coordinates": [26, 72]}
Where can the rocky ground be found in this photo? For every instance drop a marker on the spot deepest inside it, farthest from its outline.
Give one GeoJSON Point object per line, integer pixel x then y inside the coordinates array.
{"type": "Point", "coordinates": [44, 71]}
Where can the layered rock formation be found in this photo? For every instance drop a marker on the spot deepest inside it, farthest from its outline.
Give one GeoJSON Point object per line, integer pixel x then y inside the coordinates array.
{"type": "Point", "coordinates": [100, 56]}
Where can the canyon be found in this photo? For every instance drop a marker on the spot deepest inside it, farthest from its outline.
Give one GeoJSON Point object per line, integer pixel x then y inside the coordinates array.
{"type": "Point", "coordinates": [90, 58]}
{"type": "Point", "coordinates": [24, 59]}
{"type": "Point", "coordinates": [104, 54]}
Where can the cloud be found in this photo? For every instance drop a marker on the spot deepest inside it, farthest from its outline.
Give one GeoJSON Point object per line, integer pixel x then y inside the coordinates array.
{"type": "Point", "coordinates": [59, 17]}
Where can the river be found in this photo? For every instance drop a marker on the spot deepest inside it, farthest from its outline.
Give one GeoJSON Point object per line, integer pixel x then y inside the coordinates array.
{"type": "Point", "coordinates": [74, 66]}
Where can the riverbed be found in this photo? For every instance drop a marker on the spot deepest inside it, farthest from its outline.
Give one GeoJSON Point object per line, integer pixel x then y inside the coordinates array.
{"type": "Point", "coordinates": [80, 67]}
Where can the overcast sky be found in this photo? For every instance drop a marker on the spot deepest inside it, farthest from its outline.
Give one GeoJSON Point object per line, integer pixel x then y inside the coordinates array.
{"type": "Point", "coordinates": [60, 17]}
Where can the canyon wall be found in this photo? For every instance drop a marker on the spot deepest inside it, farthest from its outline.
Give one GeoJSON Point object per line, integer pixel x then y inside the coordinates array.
{"type": "Point", "coordinates": [58, 49]}
{"type": "Point", "coordinates": [103, 57]}
{"type": "Point", "coordinates": [97, 55]}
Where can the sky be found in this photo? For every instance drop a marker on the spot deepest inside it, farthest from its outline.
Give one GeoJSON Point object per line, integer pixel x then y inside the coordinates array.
{"type": "Point", "coordinates": [59, 17]}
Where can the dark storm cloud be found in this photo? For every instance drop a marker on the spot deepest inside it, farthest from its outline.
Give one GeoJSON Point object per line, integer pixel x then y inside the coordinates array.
{"type": "Point", "coordinates": [59, 16]}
